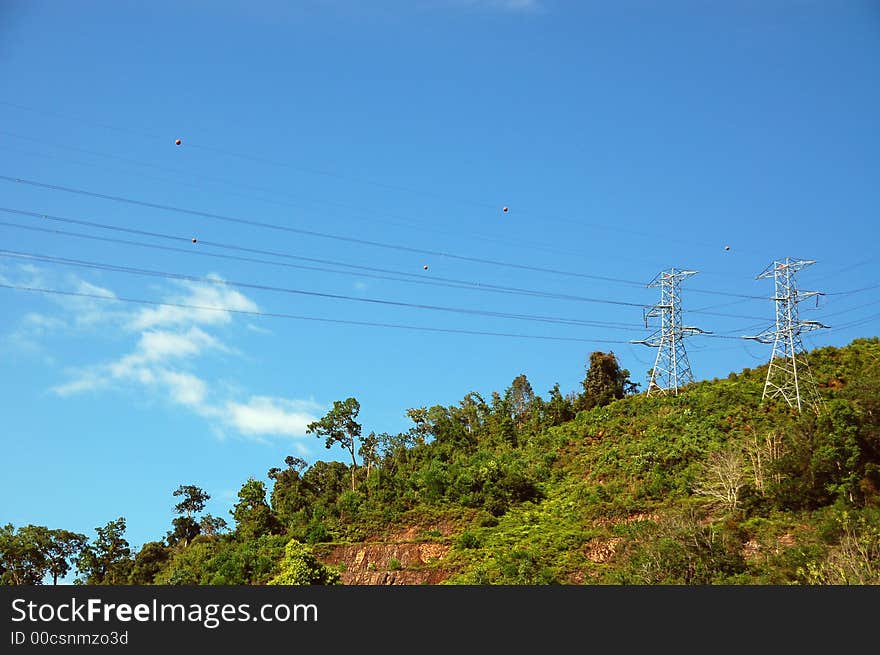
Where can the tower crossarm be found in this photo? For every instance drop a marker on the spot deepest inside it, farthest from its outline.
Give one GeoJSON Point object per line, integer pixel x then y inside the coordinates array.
{"type": "Point", "coordinates": [809, 326]}
{"type": "Point", "coordinates": [767, 336]}
{"type": "Point", "coordinates": [652, 341]}
{"type": "Point", "coordinates": [787, 265]}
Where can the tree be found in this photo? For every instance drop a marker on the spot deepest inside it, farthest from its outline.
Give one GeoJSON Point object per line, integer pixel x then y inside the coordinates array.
{"type": "Point", "coordinates": [325, 481]}
{"type": "Point", "coordinates": [27, 557]}
{"type": "Point", "coordinates": [23, 555]}
{"type": "Point", "coordinates": [63, 549]}
{"type": "Point", "coordinates": [339, 427]}
{"type": "Point", "coordinates": [295, 463]}
{"type": "Point", "coordinates": [148, 562]}
{"type": "Point", "coordinates": [253, 516]}
{"type": "Point", "coordinates": [186, 528]}
{"type": "Point", "coordinates": [421, 430]}
{"type": "Point", "coordinates": [369, 451]}
{"type": "Point", "coordinates": [724, 477]}
{"type": "Point", "coordinates": [558, 409]}
{"type": "Point", "coordinates": [605, 381]}
{"type": "Point", "coordinates": [212, 525]}
{"type": "Point", "coordinates": [763, 457]}
{"type": "Point", "coordinates": [855, 559]}
{"type": "Point", "coordinates": [473, 413]}
{"type": "Point", "coordinates": [520, 398]}
{"type": "Point", "coordinates": [194, 500]}
{"type": "Point", "coordinates": [299, 566]}
{"type": "Point", "coordinates": [502, 425]}
{"type": "Point", "coordinates": [107, 561]}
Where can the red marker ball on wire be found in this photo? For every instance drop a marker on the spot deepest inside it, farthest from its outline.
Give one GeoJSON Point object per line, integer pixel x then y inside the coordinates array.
{"type": "Point", "coordinates": [177, 142]}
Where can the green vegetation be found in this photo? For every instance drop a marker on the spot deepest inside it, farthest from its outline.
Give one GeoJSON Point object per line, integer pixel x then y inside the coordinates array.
{"type": "Point", "coordinates": [605, 486]}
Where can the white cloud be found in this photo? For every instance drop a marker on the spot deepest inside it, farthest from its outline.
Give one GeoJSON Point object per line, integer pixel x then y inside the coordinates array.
{"type": "Point", "coordinates": [41, 323]}
{"type": "Point", "coordinates": [170, 341]}
{"type": "Point", "coordinates": [88, 312]}
{"type": "Point", "coordinates": [160, 344]}
{"type": "Point", "coordinates": [83, 312]}
{"type": "Point", "coordinates": [85, 381]}
{"type": "Point", "coordinates": [186, 389]}
{"type": "Point", "coordinates": [210, 298]}
{"type": "Point", "coordinates": [263, 415]}
{"type": "Point", "coordinates": [87, 287]}
{"type": "Point", "coordinates": [36, 277]}
{"type": "Point", "coordinates": [258, 329]}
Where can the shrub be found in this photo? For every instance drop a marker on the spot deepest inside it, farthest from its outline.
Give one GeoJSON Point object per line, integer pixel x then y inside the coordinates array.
{"type": "Point", "coordinates": [468, 540]}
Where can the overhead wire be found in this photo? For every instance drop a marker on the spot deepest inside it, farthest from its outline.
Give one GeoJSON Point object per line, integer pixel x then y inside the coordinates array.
{"type": "Point", "coordinates": [300, 317]}
{"type": "Point", "coordinates": [367, 242]}
{"type": "Point", "coordinates": [314, 233]}
{"type": "Point", "coordinates": [399, 247]}
{"type": "Point", "coordinates": [394, 219]}
{"type": "Point", "coordinates": [358, 269]}
{"type": "Point", "coordinates": [288, 290]}
{"type": "Point", "coordinates": [438, 281]}
{"type": "Point", "coordinates": [386, 274]}
{"type": "Point", "coordinates": [487, 288]}
{"type": "Point", "coordinates": [315, 171]}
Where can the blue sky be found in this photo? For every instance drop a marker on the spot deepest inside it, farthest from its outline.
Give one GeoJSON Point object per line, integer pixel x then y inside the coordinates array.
{"type": "Point", "coordinates": [338, 148]}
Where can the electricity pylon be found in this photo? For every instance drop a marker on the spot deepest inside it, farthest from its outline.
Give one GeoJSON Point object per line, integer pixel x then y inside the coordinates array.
{"type": "Point", "coordinates": [788, 374]}
{"type": "Point", "coordinates": [671, 367]}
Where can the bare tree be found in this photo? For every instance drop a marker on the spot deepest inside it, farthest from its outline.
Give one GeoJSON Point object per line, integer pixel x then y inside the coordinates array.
{"type": "Point", "coordinates": [762, 456]}
{"type": "Point", "coordinates": [724, 476]}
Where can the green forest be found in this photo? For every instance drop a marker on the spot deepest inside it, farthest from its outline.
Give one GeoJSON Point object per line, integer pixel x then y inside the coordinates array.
{"type": "Point", "coordinates": [603, 485]}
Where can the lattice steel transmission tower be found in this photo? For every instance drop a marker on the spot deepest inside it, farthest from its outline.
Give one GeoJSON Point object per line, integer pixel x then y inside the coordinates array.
{"type": "Point", "coordinates": [671, 366]}
{"type": "Point", "coordinates": [788, 374]}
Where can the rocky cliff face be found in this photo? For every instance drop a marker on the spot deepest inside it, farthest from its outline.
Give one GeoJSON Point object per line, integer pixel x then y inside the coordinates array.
{"type": "Point", "coordinates": [389, 563]}
{"type": "Point", "coordinates": [394, 559]}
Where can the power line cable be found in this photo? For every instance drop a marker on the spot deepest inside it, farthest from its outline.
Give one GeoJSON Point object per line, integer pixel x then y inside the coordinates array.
{"type": "Point", "coordinates": [286, 228]}
{"type": "Point", "coordinates": [393, 275]}
{"type": "Point", "coordinates": [409, 277]}
{"type": "Point", "coordinates": [324, 235]}
{"type": "Point", "coordinates": [288, 290]}
{"type": "Point", "coordinates": [399, 220]}
{"type": "Point", "coordinates": [314, 171]}
{"type": "Point", "coordinates": [302, 317]}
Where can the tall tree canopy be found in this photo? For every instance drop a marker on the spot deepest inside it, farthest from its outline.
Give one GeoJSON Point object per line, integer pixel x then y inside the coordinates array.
{"type": "Point", "coordinates": [605, 381]}
{"type": "Point", "coordinates": [253, 516]}
{"type": "Point", "coordinates": [108, 559]}
{"type": "Point", "coordinates": [186, 528]}
{"type": "Point", "coordinates": [340, 427]}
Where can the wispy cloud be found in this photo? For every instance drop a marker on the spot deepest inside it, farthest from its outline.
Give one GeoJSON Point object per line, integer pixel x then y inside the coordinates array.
{"type": "Point", "coordinates": [258, 329]}
{"type": "Point", "coordinates": [187, 389]}
{"type": "Point", "coordinates": [262, 415]}
{"type": "Point", "coordinates": [89, 311]}
{"type": "Point", "coordinates": [168, 344]}
{"type": "Point", "coordinates": [157, 345]}
{"type": "Point", "coordinates": [87, 380]}
{"type": "Point", "coordinates": [212, 299]}
{"type": "Point", "coordinates": [79, 312]}
{"type": "Point", "coordinates": [35, 322]}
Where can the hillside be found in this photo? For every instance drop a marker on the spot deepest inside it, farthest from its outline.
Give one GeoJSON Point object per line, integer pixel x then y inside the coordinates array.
{"type": "Point", "coordinates": [602, 486]}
